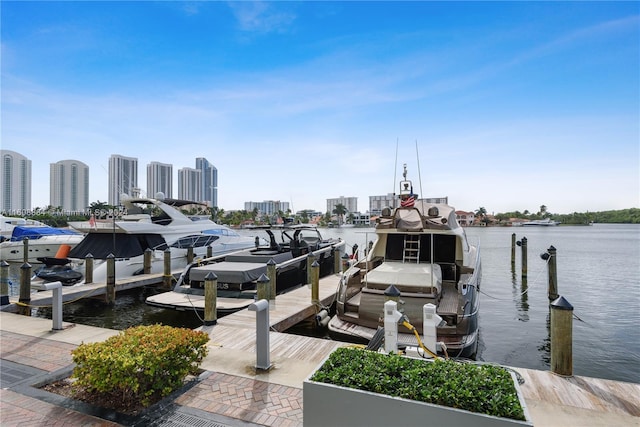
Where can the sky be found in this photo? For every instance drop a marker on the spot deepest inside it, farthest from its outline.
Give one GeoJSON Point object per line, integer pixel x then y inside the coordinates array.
{"type": "Point", "coordinates": [502, 105]}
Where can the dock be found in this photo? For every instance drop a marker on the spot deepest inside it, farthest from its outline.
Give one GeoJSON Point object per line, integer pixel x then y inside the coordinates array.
{"type": "Point", "coordinates": [232, 392]}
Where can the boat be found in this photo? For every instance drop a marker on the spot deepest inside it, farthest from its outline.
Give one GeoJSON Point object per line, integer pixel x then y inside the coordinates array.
{"type": "Point", "coordinates": [154, 224]}
{"type": "Point", "coordinates": [237, 273]}
{"type": "Point", "coordinates": [8, 223]}
{"type": "Point", "coordinates": [540, 222]}
{"type": "Point", "coordinates": [44, 241]}
{"type": "Point", "coordinates": [421, 256]}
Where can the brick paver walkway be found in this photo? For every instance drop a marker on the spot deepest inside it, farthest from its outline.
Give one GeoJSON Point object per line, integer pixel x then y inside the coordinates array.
{"type": "Point", "coordinates": [246, 399]}
{"type": "Point", "coordinates": [236, 397]}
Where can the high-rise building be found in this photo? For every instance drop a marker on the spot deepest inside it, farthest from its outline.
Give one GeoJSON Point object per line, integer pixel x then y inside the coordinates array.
{"type": "Point", "coordinates": [350, 203]}
{"type": "Point", "coordinates": [123, 177]}
{"type": "Point", "coordinates": [209, 181]}
{"type": "Point", "coordinates": [267, 207]}
{"type": "Point", "coordinates": [190, 184]}
{"type": "Point", "coordinates": [159, 179]}
{"type": "Point", "coordinates": [69, 185]}
{"type": "Point", "coordinates": [15, 182]}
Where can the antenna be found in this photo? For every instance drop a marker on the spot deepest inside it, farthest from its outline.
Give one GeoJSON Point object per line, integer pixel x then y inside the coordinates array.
{"type": "Point", "coordinates": [395, 172]}
{"type": "Point", "coordinates": [419, 175]}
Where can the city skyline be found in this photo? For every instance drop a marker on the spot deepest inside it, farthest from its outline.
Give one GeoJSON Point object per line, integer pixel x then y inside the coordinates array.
{"type": "Point", "coordinates": [501, 105]}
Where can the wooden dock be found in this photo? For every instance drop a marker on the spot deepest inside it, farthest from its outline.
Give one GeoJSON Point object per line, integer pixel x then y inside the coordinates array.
{"type": "Point", "coordinates": [551, 400]}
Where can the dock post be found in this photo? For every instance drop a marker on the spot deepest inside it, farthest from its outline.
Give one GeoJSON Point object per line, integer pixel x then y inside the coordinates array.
{"type": "Point", "coordinates": [56, 304]}
{"type": "Point", "coordinates": [524, 259]}
{"type": "Point", "coordinates": [210, 299]}
{"type": "Point", "coordinates": [272, 275]}
{"type": "Point", "coordinates": [209, 251]}
{"type": "Point", "coordinates": [25, 250]}
{"type": "Point", "coordinates": [264, 290]}
{"type": "Point", "coordinates": [261, 308]}
{"type": "Point", "coordinates": [88, 269]}
{"type": "Point", "coordinates": [25, 289]}
{"type": "Point", "coordinates": [513, 249]}
{"type": "Point", "coordinates": [337, 262]}
{"type": "Point", "coordinates": [4, 282]}
{"type": "Point", "coordinates": [111, 279]}
{"type": "Point", "coordinates": [561, 337]}
{"type": "Point", "coordinates": [315, 283]}
{"type": "Point", "coordinates": [311, 258]}
{"type": "Point", "coordinates": [553, 274]}
{"type": "Point", "coordinates": [345, 262]}
{"type": "Point", "coordinates": [167, 269]}
{"type": "Point", "coordinates": [190, 254]}
{"type": "Point", "coordinates": [148, 253]}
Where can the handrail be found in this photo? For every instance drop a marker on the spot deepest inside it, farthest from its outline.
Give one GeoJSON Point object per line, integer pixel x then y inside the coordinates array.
{"type": "Point", "coordinates": [315, 253]}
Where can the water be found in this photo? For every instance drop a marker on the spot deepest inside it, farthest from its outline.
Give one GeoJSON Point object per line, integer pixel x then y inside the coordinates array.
{"type": "Point", "coordinates": [598, 273]}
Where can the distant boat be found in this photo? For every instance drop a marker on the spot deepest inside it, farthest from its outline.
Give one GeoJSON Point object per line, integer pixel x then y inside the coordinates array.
{"type": "Point", "coordinates": [542, 222]}
{"type": "Point", "coordinates": [44, 241]}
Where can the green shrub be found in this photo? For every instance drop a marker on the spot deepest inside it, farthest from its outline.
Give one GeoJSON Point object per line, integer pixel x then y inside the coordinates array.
{"type": "Point", "coordinates": [142, 363]}
{"type": "Point", "coordinates": [484, 389]}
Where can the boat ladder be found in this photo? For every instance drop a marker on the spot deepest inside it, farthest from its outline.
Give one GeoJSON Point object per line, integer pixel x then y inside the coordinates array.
{"type": "Point", "coordinates": [411, 248]}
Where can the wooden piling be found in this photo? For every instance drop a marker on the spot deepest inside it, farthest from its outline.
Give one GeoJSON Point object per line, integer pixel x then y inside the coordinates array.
{"type": "Point", "coordinates": [209, 251]}
{"type": "Point", "coordinates": [4, 282]}
{"type": "Point", "coordinates": [88, 269]}
{"type": "Point", "coordinates": [148, 254]}
{"type": "Point", "coordinates": [25, 250]}
{"type": "Point", "coordinates": [553, 274]}
{"type": "Point", "coordinates": [561, 337]}
{"type": "Point", "coordinates": [524, 258]}
{"type": "Point", "coordinates": [315, 282]}
{"type": "Point", "coordinates": [25, 289]}
{"type": "Point", "coordinates": [311, 258]}
{"type": "Point", "coordinates": [167, 277]}
{"type": "Point", "coordinates": [264, 290]}
{"type": "Point", "coordinates": [272, 275]}
{"type": "Point", "coordinates": [210, 299]}
{"type": "Point", "coordinates": [190, 254]}
{"type": "Point", "coordinates": [337, 262]}
{"type": "Point", "coordinates": [513, 249]}
{"type": "Point", "coordinates": [110, 296]}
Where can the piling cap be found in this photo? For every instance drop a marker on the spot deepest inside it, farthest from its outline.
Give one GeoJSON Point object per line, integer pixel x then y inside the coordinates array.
{"type": "Point", "coordinates": [561, 304]}
{"type": "Point", "coordinates": [263, 278]}
{"type": "Point", "coordinates": [211, 276]}
{"type": "Point", "coordinates": [392, 291]}
{"type": "Point", "coordinates": [271, 262]}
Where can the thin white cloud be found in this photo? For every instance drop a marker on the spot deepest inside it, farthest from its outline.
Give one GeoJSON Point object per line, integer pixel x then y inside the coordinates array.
{"type": "Point", "coordinates": [261, 17]}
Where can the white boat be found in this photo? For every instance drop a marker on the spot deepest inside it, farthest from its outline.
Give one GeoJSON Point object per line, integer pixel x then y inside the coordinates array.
{"type": "Point", "coordinates": [43, 242]}
{"type": "Point", "coordinates": [540, 222]}
{"type": "Point", "coordinates": [146, 223]}
{"type": "Point", "coordinates": [8, 223]}
{"type": "Point", "coordinates": [238, 272]}
{"type": "Point", "coordinates": [421, 256]}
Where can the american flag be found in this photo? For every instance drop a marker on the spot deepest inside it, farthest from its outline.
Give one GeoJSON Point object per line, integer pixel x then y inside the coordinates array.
{"type": "Point", "coordinates": [408, 202]}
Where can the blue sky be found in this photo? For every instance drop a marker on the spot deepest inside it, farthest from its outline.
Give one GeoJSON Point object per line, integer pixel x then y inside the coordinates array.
{"type": "Point", "coordinates": [507, 105]}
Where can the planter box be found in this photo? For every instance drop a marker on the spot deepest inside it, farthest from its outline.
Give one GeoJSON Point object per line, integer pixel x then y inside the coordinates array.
{"type": "Point", "coordinates": [328, 404]}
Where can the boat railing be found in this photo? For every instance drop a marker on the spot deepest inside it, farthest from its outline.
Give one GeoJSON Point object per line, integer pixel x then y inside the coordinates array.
{"type": "Point", "coordinates": [316, 253]}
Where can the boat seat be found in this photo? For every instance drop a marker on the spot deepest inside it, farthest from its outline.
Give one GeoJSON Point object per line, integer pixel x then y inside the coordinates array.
{"type": "Point", "coordinates": [406, 277]}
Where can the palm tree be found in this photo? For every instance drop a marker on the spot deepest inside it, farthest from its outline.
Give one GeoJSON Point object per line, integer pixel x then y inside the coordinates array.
{"type": "Point", "coordinates": [340, 210]}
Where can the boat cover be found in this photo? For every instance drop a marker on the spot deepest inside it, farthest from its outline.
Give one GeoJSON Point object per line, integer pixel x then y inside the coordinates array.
{"type": "Point", "coordinates": [407, 277]}
{"type": "Point", "coordinates": [101, 245]}
{"type": "Point", "coordinates": [240, 270]}
{"type": "Point", "coordinates": [20, 233]}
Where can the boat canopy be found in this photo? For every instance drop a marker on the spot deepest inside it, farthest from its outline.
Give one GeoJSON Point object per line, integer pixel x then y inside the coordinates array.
{"type": "Point", "coordinates": [20, 233]}
{"type": "Point", "coordinates": [101, 245]}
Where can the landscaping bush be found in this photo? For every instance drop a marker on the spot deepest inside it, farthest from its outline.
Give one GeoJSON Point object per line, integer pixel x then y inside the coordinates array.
{"type": "Point", "coordinates": [142, 363]}
{"type": "Point", "coordinates": [485, 389]}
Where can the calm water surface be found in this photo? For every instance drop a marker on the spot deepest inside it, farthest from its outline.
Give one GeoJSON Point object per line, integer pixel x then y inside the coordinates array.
{"type": "Point", "coordinates": [598, 273]}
